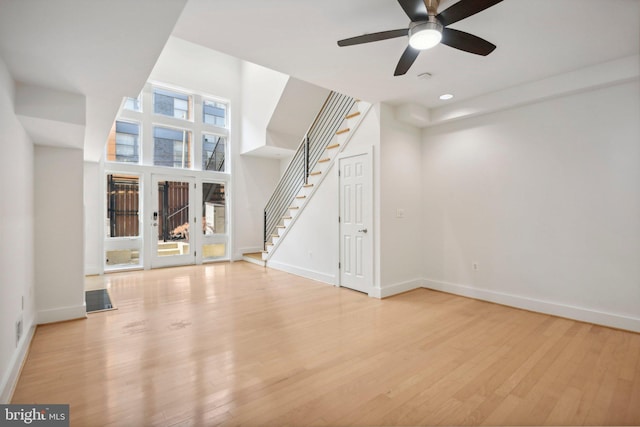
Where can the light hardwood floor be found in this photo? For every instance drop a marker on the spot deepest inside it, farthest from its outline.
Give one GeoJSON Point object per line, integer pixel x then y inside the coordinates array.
{"type": "Point", "coordinates": [240, 344]}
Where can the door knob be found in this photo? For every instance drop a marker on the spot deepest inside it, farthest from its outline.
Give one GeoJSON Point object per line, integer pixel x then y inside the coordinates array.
{"type": "Point", "coordinates": [364, 230]}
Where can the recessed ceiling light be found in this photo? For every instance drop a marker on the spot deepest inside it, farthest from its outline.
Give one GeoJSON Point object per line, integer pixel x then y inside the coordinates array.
{"type": "Point", "coordinates": [446, 96]}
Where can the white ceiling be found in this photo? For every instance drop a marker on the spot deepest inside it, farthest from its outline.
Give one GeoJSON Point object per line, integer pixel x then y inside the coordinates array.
{"type": "Point", "coordinates": [535, 39]}
{"type": "Point", "coordinates": [104, 50]}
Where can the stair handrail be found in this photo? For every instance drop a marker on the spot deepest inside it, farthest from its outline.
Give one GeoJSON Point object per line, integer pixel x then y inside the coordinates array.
{"type": "Point", "coordinates": [315, 140]}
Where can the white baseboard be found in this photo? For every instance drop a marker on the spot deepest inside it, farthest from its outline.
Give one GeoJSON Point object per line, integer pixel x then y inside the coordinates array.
{"type": "Point", "coordinates": [547, 307]}
{"type": "Point", "coordinates": [253, 261]}
{"type": "Point", "coordinates": [298, 271]}
{"type": "Point", "coordinates": [92, 270]}
{"type": "Point", "coordinates": [12, 374]}
{"type": "Point", "coordinates": [61, 314]}
{"type": "Point", "coordinates": [396, 288]}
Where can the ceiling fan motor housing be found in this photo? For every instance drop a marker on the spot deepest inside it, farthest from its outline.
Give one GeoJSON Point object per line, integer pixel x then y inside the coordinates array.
{"type": "Point", "coordinates": [425, 34]}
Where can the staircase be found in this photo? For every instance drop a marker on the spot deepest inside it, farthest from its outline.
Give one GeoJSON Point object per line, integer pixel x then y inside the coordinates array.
{"type": "Point", "coordinates": [326, 138]}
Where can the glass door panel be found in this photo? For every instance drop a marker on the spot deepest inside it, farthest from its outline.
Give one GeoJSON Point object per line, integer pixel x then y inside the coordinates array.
{"type": "Point", "coordinates": [123, 243]}
{"type": "Point", "coordinates": [172, 221]}
{"type": "Point", "coordinates": [214, 221]}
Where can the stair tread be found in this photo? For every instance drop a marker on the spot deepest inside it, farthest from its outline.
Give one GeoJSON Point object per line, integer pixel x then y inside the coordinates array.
{"type": "Point", "coordinates": [308, 185]}
{"type": "Point", "coordinates": [294, 207]}
{"type": "Point", "coordinates": [332, 146]}
{"type": "Point", "coordinates": [345, 130]}
{"type": "Point", "coordinates": [301, 197]}
{"type": "Point", "coordinates": [352, 115]}
{"type": "Point", "coordinates": [326, 159]}
{"type": "Point", "coordinates": [315, 173]}
{"type": "Point", "coordinates": [287, 217]}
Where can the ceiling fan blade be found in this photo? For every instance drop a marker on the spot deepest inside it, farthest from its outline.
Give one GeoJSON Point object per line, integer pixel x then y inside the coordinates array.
{"type": "Point", "coordinates": [374, 37]}
{"type": "Point", "coordinates": [415, 9]}
{"type": "Point", "coordinates": [467, 42]}
{"type": "Point", "coordinates": [464, 9]}
{"type": "Point", "coordinates": [406, 61]}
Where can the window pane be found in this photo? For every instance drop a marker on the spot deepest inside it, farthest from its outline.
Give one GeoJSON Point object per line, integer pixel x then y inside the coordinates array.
{"type": "Point", "coordinates": [172, 104]}
{"type": "Point", "coordinates": [215, 113]}
{"type": "Point", "coordinates": [122, 257]}
{"type": "Point", "coordinates": [122, 206]}
{"type": "Point", "coordinates": [122, 145]}
{"type": "Point", "coordinates": [213, 153]}
{"type": "Point", "coordinates": [213, 209]}
{"type": "Point", "coordinates": [181, 109]}
{"type": "Point", "coordinates": [133, 104]}
{"type": "Point", "coordinates": [173, 218]}
{"type": "Point", "coordinates": [171, 147]}
{"type": "Point", "coordinates": [214, 250]}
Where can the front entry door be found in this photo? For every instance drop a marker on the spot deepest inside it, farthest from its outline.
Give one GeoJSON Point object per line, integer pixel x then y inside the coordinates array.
{"type": "Point", "coordinates": [356, 224]}
{"type": "Point", "coordinates": [173, 224]}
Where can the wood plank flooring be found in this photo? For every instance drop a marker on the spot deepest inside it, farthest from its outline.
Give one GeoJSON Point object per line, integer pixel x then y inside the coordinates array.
{"type": "Point", "coordinates": [238, 344]}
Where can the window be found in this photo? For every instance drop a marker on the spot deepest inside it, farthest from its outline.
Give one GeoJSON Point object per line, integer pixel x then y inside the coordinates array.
{"type": "Point", "coordinates": [171, 147]}
{"type": "Point", "coordinates": [123, 144]}
{"type": "Point", "coordinates": [171, 104]}
{"type": "Point", "coordinates": [162, 128]}
{"type": "Point", "coordinates": [214, 113]}
{"type": "Point", "coordinates": [133, 104]}
{"type": "Point", "coordinates": [123, 219]}
{"type": "Point", "coordinates": [213, 208]}
{"type": "Point", "coordinates": [213, 153]}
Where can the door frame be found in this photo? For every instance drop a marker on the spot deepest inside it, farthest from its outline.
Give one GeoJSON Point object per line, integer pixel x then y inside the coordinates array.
{"type": "Point", "coordinates": [172, 260]}
{"type": "Point", "coordinates": [371, 228]}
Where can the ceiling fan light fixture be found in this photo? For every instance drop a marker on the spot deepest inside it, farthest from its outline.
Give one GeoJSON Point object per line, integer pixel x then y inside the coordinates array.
{"type": "Point", "coordinates": [425, 35]}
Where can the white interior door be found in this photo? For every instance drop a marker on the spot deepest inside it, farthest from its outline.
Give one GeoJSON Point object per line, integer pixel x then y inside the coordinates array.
{"type": "Point", "coordinates": [356, 224]}
{"type": "Point", "coordinates": [173, 221]}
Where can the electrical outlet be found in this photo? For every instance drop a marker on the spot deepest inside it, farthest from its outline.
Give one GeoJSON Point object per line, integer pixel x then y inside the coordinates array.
{"type": "Point", "coordinates": [475, 266]}
{"type": "Point", "coordinates": [399, 213]}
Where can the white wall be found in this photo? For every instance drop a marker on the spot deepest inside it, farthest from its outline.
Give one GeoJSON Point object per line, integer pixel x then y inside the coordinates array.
{"type": "Point", "coordinates": [295, 111]}
{"type": "Point", "coordinates": [253, 184]}
{"type": "Point", "coordinates": [310, 248]}
{"type": "Point", "coordinates": [401, 233]}
{"type": "Point", "coordinates": [16, 238]}
{"type": "Point", "coordinates": [94, 227]}
{"type": "Point", "coordinates": [261, 91]}
{"type": "Point", "coordinates": [58, 231]}
{"type": "Point", "coordinates": [545, 199]}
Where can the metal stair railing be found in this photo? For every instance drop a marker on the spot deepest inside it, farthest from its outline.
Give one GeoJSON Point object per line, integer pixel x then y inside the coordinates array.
{"type": "Point", "coordinates": [316, 139]}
